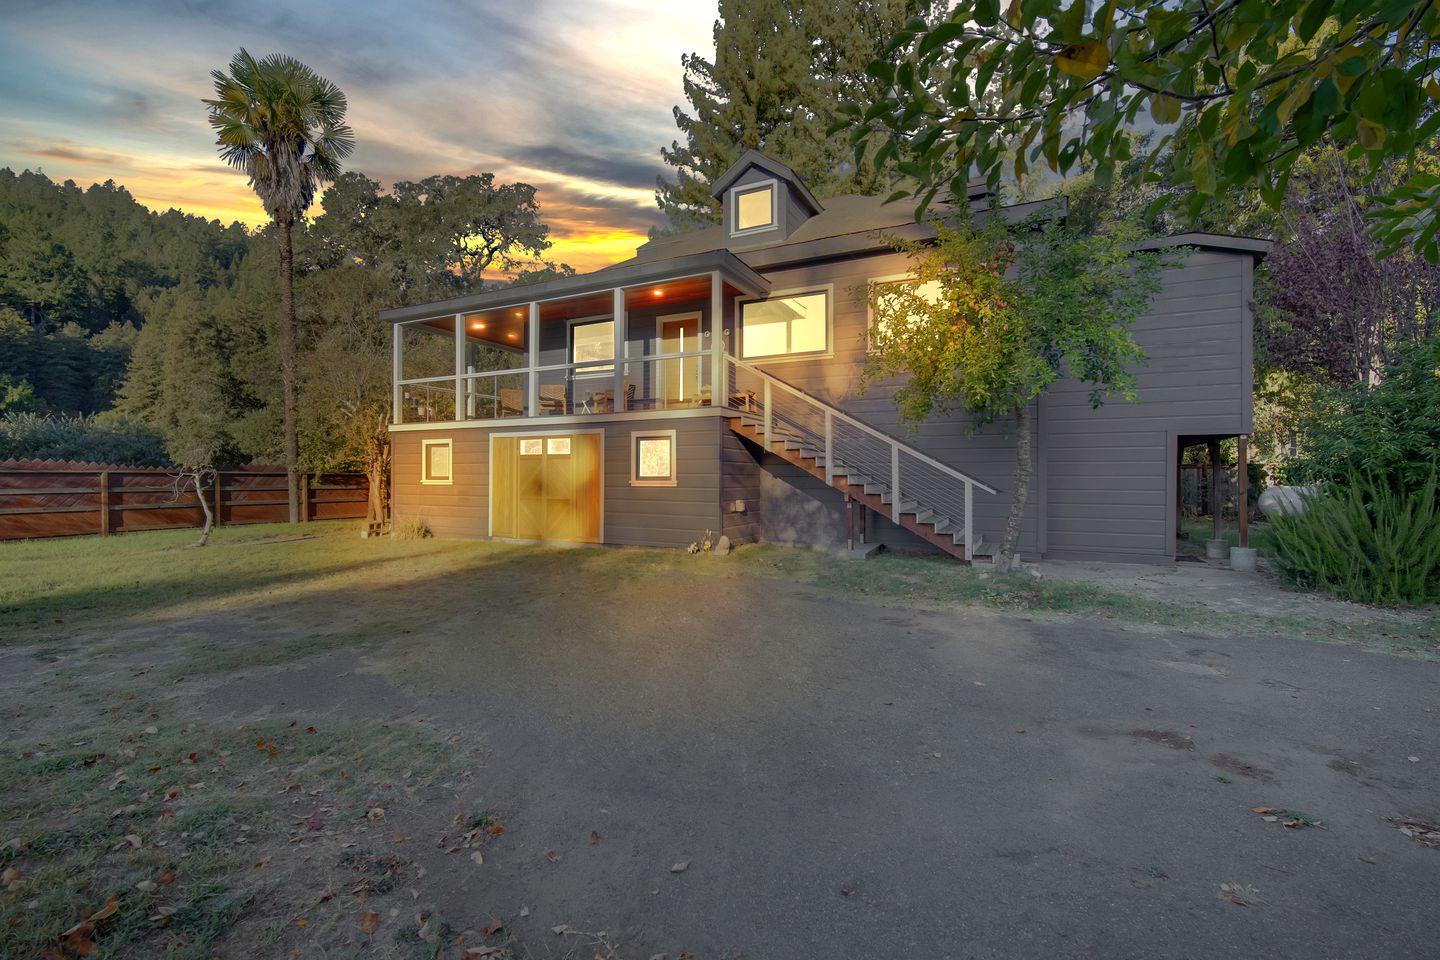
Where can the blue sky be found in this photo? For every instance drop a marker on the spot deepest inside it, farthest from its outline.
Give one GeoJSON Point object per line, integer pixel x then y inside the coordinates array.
{"type": "Point", "coordinates": [572, 97]}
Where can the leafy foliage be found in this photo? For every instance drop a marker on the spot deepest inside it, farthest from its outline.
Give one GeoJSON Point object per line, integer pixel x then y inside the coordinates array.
{"type": "Point", "coordinates": [1363, 539]}
{"type": "Point", "coordinates": [1329, 306]}
{"type": "Point", "coordinates": [992, 339]}
{"type": "Point", "coordinates": [1239, 88]}
{"type": "Point", "coordinates": [1388, 430]}
{"type": "Point", "coordinates": [107, 439]}
{"type": "Point", "coordinates": [779, 74]}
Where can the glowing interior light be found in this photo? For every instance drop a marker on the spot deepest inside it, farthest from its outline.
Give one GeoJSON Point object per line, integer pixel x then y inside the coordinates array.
{"type": "Point", "coordinates": [477, 325]}
{"type": "Point", "coordinates": [657, 292]}
{"type": "Point", "coordinates": [512, 334]}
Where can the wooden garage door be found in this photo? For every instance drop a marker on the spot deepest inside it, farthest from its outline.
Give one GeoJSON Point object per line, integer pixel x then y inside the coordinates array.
{"type": "Point", "coordinates": [546, 487]}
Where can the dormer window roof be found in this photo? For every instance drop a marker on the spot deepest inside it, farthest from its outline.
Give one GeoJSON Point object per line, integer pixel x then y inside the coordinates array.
{"type": "Point", "coordinates": [763, 197]}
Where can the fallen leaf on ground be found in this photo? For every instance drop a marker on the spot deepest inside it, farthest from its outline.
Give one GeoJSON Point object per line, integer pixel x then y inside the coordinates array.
{"type": "Point", "coordinates": [478, 857]}
{"type": "Point", "coordinates": [376, 813]}
{"type": "Point", "coordinates": [302, 921]}
{"type": "Point", "coordinates": [165, 878]}
{"type": "Point", "coordinates": [560, 929]}
{"type": "Point", "coordinates": [11, 875]}
{"type": "Point", "coordinates": [147, 886]}
{"type": "Point", "coordinates": [163, 914]}
{"type": "Point", "coordinates": [594, 838]}
{"type": "Point", "coordinates": [369, 921]}
{"type": "Point", "coordinates": [496, 829]}
{"type": "Point", "coordinates": [494, 926]}
{"type": "Point", "coordinates": [551, 855]}
{"type": "Point", "coordinates": [680, 867]}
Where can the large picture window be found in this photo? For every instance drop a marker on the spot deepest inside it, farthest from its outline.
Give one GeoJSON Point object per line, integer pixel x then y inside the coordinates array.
{"type": "Point", "coordinates": [784, 326]}
{"type": "Point", "coordinates": [929, 291]}
{"type": "Point", "coordinates": [652, 459]}
{"type": "Point", "coordinates": [593, 340]}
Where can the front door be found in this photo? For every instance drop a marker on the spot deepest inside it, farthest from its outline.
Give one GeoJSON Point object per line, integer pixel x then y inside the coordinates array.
{"type": "Point", "coordinates": [546, 487]}
{"type": "Point", "coordinates": [680, 378]}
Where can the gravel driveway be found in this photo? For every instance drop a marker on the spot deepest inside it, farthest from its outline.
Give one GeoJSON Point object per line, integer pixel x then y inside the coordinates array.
{"type": "Point", "coordinates": [847, 779]}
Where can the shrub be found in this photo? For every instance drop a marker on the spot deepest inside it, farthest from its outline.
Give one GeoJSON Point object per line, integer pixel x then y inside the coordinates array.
{"type": "Point", "coordinates": [1366, 539]}
{"type": "Point", "coordinates": [94, 439]}
{"type": "Point", "coordinates": [1388, 430]}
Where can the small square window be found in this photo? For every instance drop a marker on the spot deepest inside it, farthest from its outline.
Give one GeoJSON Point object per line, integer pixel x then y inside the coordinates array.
{"type": "Point", "coordinates": [755, 209]}
{"type": "Point", "coordinates": [558, 446]}
{"type": "Point", "coordinates": [436, 465]}
{"type": "Point", "coordinates": [652, 459]}
{"type": "Point", "coordinates": [532, 448]}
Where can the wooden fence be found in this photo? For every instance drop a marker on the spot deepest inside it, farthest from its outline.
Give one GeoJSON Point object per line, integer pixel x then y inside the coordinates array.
{"type": "Point", "coordinates": [51, 499]}
{"type": "Point", "coordinates": [1198, 500]}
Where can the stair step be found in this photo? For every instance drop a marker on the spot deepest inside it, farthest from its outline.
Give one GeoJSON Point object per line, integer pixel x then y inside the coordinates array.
{"type": "Point", "coordinates": [873, 487]}
{"type": "Point", "coordinates": [909, 506]}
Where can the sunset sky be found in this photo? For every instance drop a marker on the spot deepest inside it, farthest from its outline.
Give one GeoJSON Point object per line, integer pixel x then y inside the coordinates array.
{"type": "Point", "coordinates": [572, 97]}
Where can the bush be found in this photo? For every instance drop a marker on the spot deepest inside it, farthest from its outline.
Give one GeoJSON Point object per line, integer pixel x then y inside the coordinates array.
{"type": "Point", "coordinates": [1388, 430]}
{"type": "Point", "coordinates": [1367, 540]}
{"type": "Point", "coordinates": [89, 438]}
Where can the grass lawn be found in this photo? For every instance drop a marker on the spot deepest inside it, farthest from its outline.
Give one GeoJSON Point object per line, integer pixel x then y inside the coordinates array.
{"type": "Point", "coordinates": [135, 821]}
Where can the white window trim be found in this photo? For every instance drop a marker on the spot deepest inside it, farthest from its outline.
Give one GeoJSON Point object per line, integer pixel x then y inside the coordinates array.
{"type": "Point", "coordinates": [735, 193]}
{"type": "Point", "coordinates": [635, 437]}
{"type": "Point", "coordinates": [425, 478]}
{"type": "Point", "coordinates": [588, 373]}
{"type": "Point", "coordinates": [826, 288]}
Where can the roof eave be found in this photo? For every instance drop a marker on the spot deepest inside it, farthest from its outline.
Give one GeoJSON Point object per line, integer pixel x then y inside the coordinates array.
{"type": "Point", "coordinates": [730, 267]}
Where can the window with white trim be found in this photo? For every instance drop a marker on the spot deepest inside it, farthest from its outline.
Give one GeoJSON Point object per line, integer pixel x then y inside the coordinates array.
{"type": "Point", "coordinates": [785, 326]}
{"type": "Point", "coordinates": [930, 291]}
{"type": "Point", "coordinates": [593, 340]}
{"type": "Point", "coordinates": [652, 458]}
{"type": "Point", "coordinates": [754, 208]}
{"type": "Point", "coordinates": [437, 462]}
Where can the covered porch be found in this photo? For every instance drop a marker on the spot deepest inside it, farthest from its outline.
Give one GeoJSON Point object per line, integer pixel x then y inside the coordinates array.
{"type": "Point", "coordinates": [624, 340]}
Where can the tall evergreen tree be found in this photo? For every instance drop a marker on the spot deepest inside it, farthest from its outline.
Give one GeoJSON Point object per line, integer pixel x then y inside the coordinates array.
{"type": "Point", "coordinates": [779, 73]}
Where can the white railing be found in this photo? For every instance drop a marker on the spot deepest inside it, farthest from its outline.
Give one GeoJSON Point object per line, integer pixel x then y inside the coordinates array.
{"type": "Point", "coordinates": [917, 483]}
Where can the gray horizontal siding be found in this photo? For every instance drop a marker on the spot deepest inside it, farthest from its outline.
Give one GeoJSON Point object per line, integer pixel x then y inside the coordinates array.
{"type": "Point", "coordinates": [1103, 474]}
{"type": "Point", "coordinates": [640, 516]}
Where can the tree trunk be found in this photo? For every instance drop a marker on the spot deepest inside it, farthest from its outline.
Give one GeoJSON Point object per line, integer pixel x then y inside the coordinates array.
{"type": "Point", "coordinates": [1005, 557]}
{"type": "Point", "coordinates": [199, 477]}
{"type": "Point", "coordinates": [288, 386]}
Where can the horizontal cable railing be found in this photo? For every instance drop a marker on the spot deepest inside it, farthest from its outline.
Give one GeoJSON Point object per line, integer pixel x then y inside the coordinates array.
{"type": "Point", "coordinates": [915, 482]}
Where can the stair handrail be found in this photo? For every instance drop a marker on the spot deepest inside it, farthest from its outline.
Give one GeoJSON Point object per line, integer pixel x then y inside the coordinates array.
{"type": "Point", "coordinates": [838, 414]}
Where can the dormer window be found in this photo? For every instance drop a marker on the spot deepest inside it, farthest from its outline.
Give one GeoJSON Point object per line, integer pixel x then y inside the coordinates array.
{"type": "Point", "coordinates": [754, 208]}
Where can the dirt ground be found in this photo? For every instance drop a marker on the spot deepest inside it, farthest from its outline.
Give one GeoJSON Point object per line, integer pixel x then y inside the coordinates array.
{"type": "Point", "coordinates": [586, 756]}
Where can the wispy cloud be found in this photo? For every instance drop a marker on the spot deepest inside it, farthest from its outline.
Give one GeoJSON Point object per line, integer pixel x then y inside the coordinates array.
{"type": "Point", "coordinates": [574, 98]}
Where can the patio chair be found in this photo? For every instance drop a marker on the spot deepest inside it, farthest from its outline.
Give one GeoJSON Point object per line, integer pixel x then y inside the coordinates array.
{"type": "Point", "coordinates": [512, 402]}
{"type": "Point", "coordinates": [552, 398]}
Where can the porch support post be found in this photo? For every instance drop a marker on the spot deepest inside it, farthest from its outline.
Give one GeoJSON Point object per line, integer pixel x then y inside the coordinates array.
{"type": "Point", "coordinates": [459, 366]}
{"type": "Point", "coordinates": [719, 391]}
{"type": "Point", "coordinates": [849, 523]}
{"type": "Point", "coordinates": [1242, 480]}
{"type": "Point", "coordinates": [619, 388]}
{"type": "Point", "coordinates": [396, 413]}
{"type": "Point", "coordinates": [532, 378]}
{"type": "Point", "coordinates": [1217, 480]}
{"type": "Point", "coordinates": [768, 418]}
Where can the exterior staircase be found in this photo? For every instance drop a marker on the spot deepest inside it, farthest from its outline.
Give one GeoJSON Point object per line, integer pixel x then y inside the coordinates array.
{"type": "Point", "coordinates": [931, 499]}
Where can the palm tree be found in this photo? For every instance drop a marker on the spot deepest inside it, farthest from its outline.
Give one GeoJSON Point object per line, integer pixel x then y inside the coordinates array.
{"type": "Point", "coordinates": [283, 125]}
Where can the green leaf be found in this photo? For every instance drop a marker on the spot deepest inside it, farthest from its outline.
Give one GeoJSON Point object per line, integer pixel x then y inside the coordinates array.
{"type": "Point", "coordinates": [1370, 134]}
{"type": "Point", "coordinates": [987, 12]}
{"type": "Point", "coordinates": [945, 33]}
{"type": "Point", "coordinates": [1202, 168]}
{"type": "Point", "coordinates": [1164, 109]}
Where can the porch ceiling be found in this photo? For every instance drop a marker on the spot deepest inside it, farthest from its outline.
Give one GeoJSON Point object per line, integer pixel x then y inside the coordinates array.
{"type": "Point", "coordinates": [658, 274]}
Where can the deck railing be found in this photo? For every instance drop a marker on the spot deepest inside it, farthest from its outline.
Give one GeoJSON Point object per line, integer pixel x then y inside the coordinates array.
{"type": "Point", "coordinates": [915, 482]}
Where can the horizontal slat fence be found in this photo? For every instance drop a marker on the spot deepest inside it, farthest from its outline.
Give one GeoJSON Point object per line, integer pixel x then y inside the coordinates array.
{"type": "Point", "coordinates": [40, 499]}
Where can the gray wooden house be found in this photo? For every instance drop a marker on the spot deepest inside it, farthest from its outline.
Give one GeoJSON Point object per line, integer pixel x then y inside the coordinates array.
{"type": "Point", "coordinates": [709, 384]}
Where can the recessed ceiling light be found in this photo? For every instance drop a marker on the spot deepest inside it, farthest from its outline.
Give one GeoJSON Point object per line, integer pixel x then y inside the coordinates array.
{"type": "Point", "coordinates": [512, 334]}
{"type": "Point", "coordinates": [657, 292]}
{"type": "Point", "coordinates": [477, 325]}
{"type": "Point", "coordinates": [519, 313]}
